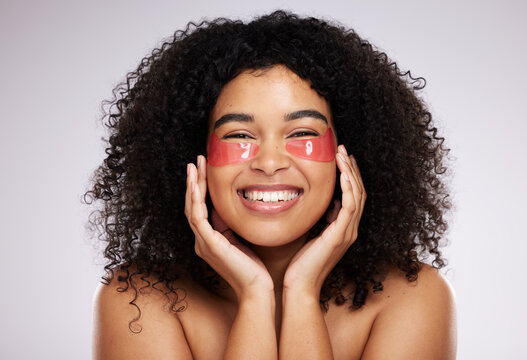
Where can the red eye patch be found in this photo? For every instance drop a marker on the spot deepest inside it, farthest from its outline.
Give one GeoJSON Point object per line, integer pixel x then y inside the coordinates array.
{"type": "Point", "coordinates": [316, 149]}
{"type": "Point", "coordinates": [225, 153]}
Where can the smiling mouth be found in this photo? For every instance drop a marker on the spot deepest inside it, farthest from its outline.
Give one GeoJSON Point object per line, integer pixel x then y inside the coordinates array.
{"type": "Point", "coordinates": [270, 199]}
{"type": "Point", "coordinates": [270, 196]}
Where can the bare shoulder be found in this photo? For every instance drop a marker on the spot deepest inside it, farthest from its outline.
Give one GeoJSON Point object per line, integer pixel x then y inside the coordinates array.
{"type": "Point", "coordinates": [417, 319]}
{"type": "Point", "coordinates": [130, 324]}
{"type": "Point", "coordinates": [431, 285]}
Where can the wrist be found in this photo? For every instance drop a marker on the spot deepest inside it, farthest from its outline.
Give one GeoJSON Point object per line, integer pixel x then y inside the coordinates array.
{"type": "Point", "coordinates": [257, 299]}
{"type": "Point", "coordinates": [305, 296]}
{"type": "Point", "coordinates": [257, 289]}
{"type": "Point", "coordinates": [258, 308]}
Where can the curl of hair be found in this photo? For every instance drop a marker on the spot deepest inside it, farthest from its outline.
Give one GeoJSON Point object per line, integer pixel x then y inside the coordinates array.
{"type": "Point", "coordinates": [158, 120]}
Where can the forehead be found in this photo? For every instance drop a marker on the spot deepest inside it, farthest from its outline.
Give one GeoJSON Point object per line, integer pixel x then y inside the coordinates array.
{"type": "Point", "coordinates": [268, 93]}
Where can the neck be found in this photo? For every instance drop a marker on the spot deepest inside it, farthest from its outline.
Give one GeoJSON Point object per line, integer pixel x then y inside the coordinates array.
{"type": "Point", "coordinates": [276, 260]}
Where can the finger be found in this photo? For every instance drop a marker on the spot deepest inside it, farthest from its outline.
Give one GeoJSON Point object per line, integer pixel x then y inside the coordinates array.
{"type": "Point", "coordinates": [211, 244]}
{"type": "Point", "coordinates": [364, 195]}
{"type": "Point", "coordinates": [360, 195]}
{"type": "Point", "coordinates": [198, 219]}
{"type": "Point", "coordinates": [344, 165]}
{"type": "Point", "coordinates": [350, 233]}
{"type": "Point", "coordinates": [202, 176]}
{"type": "Point", "coordinates": [193, 176]}
{"type": "Point", "coordinates": [356, 173]}
{"type": "Point", "coordinates": [353, 174]}
{"type": "Point", "coordinates": [189, 205]}
{"type": "Point", "coordinates": [348, 201]}
{"type": "Point", "coordinates": [201, 180]}
{"type": "Point", "coordinates": [355, 167]}
{"type": "Point", "coordinates": [360, 184]}
{"type": "Point", "coordinates": [348, 163]}
{"type": "Point", "coordinates": [188, 193]}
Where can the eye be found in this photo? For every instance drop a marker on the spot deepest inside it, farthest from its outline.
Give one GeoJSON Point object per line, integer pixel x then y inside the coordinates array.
{"type": "Point", "coordinates": [304, 133]}
{"type": "Point", "coordinates": [237, 136]}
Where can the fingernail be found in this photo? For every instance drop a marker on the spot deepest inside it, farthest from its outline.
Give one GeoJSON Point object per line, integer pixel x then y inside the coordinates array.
{"type": "Point", "coordinates": [344, 150]}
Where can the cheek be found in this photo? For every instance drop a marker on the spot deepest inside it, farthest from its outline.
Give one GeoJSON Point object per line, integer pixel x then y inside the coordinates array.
{"type": "Point", "coordinates": [216, 182]}
{"type": "Point", "coordinates": [220, 189]}
{"type": "Point", "coordinates": [328, 181]}
{"type": "Point", "coordinates": [323, 180]}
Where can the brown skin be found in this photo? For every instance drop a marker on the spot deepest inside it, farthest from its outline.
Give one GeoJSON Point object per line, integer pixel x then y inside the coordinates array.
{"type": "Point", "coordinates": [267, 96]}
{"type": "Point", "coordinates": [268, 307]}
{"type": "Point", "coordinates": [404, 321]}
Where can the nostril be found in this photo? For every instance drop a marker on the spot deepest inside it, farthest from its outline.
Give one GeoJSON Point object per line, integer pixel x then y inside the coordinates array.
{"type": "Point", "coordinates": [270, 159]}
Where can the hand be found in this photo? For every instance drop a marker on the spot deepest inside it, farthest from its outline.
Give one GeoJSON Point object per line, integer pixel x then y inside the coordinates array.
{"type": "Point", "coordinates": [311, 265]}
{"type": "Point", "coordinates": [233, 261]}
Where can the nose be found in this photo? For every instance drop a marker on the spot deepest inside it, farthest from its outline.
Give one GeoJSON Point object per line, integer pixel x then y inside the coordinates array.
{"type": "Point", "coordinates": [271, 158]}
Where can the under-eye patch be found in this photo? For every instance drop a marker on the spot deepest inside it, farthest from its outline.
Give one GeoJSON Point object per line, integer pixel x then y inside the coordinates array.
{"type": "Point", "coordinates": [225, 153]}
{"type": "Point", "coordinates": [317, 149]}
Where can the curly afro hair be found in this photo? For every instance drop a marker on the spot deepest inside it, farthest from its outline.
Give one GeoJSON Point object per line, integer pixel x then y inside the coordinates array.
{"type": "Point", "coordinates": [157, 124]}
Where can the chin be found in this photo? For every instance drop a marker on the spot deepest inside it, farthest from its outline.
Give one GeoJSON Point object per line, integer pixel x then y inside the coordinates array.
{"type": "Point", "coordinates": [271, 236]}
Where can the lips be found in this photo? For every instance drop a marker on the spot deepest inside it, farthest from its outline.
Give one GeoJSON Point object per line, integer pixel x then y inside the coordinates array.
{"type": "Point", "coordinates": [269, 199]}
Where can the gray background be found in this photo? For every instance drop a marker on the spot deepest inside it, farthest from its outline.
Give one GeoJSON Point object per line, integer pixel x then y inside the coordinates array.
{"type": "Point", "coordinates": [59, 59]}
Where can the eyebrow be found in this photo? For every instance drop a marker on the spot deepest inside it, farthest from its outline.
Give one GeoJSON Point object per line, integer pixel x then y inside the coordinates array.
{"type": "Point", "coordinates": [306, 114]}
{"type": "Point", "coordinates": [241, 117]}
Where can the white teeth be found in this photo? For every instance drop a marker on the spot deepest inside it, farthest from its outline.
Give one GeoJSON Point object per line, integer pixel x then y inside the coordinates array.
{"type": "Point", "coordinates": [271, 196]}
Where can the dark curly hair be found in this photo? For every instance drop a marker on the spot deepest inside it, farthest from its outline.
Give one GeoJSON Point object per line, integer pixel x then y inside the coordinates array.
{"type": "Point", "coordinates": [157, 124]}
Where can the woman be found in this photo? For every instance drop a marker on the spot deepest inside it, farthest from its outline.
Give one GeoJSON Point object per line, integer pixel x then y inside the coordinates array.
{"type": "Point", "coordinates": [283, 269]}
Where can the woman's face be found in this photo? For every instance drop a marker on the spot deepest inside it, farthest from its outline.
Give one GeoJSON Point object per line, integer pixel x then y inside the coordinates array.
{"type": "Point", "coordinates": [268, 193]}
